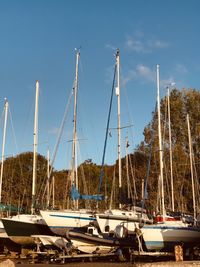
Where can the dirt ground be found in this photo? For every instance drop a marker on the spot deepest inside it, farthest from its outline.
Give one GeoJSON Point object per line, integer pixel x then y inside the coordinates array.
{"type": "Point", "coordinates": [11, 263]}
{"type": "Point", "coordinates": [117, 264]}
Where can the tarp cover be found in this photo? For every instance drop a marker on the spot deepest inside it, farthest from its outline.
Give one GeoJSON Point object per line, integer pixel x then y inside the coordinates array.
{"type": "Point", "coordinates": [8, 207]}
{"type": "Point", "coordinates": [76, 195]}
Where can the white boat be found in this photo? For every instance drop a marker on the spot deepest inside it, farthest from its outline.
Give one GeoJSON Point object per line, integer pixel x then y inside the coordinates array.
{"type": "Point", "coordinates": [165, 235]}
{"type": "Point", "coordinates": [62, 220]}
{"type": "Point", "coordinates": [20, 227]}
{"type": "Point", "coordinates": [130, 219]}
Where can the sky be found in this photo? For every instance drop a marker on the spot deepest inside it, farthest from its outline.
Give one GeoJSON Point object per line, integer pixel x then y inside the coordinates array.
{"type": "Point", "coordinates": [38, 41]}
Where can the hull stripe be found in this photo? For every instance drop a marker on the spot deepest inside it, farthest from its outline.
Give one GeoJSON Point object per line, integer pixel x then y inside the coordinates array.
{"type": "Point", "coordinates": [72, 217]}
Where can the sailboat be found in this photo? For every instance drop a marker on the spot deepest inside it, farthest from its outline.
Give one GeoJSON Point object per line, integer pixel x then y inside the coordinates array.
{"type": "Point", "coordinates": [4, 239]}
{"type": "Point", "coordinates": [168, 231]}
{"type": "Point", "coordinates": [61, 220]}
{"type": "Point", "coordinates": [109, 220]}
{"type": "Point", "coordinates": [20, 227]}
{"type": "Point", "coordinates": [116, 227]}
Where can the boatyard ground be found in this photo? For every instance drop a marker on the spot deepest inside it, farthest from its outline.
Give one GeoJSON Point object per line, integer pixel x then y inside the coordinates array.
{"type": "Point", "coordinates": [9, 263]}
{"type": "Point", "coordinates": [116, 264]}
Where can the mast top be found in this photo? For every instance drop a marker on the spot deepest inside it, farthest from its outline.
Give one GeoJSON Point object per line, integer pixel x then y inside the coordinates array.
{"type": "Point", "coordinates": [78, 50]}
{"type": "Point", "coordinates": [117, 52]}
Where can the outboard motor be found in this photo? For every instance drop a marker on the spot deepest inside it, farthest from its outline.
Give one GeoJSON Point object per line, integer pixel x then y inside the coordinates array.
{"type": "Point", "coordinates": [121, 231]}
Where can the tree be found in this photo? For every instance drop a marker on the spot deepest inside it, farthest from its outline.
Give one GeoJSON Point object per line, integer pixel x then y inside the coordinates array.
{"type": "Point", "coordinates": [181, 103]}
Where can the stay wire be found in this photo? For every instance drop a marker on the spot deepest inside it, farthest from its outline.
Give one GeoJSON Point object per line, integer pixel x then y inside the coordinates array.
{"type": "Point", "coordinates": [59, 135]}
{"type": "Point", "coordinates": [107, 130]}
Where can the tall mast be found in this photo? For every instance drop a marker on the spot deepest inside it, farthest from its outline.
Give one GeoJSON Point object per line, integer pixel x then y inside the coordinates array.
{"type": "Point", "coordinates": [191, 167]}
{"type": "Point", "coordinates": [119, 127]}
{"type": "Point", "coordinates": [160, 144]}
{"type": "Point", "coordinates": [48, 178]}
{"type": "Point", "coordinates": [53, 193]}
{"type": "Point", "coordinates": [170, 148]}
{"type": "Point", "coordinates": [74, 142]}
{"type": "Point", "coordinates": [3, 145]}
{"type": "Point", "coordinates": [35, 141]}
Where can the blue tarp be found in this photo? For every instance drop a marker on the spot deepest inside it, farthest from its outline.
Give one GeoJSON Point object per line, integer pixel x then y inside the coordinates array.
{"type": "Point", "coordinates": [75, 195]}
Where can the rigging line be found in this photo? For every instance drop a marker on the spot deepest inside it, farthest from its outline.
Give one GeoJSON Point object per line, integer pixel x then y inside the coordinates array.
{"type": "Point", "coordinates": [15, 141]}
{"type": "Point", "coordinates": [66, 198]}
{"type": "Point", "coordinates": [13, 131]}
{"type": "Point", "coordinates": [128, 109]}
{"type": "Point", "coordinates": [133, 176]}
{"type": "Point", "coordinates": [60, 132]}
{"type": "Point", "coordinates": [43, 195]}
{"type": "Point", "coordinates": [184, 184]}
{"type": "Point", "coordinates": [42, 182]}
{"type": "Point", "coordinates": [43, 187]}
{"type": "Point", "coordinates": [149, 162]}
{"type": "Point", "coordinates": [112, 190]}
{"type": "Point", "coordinates": [2, 115]}
{"type": "Point", "coordinates": [167, 184]}
{"type": "Point", "coordinates": [107, 130]}
{"type": "Point", "coordinates": [82, 170]}
{"type": "Point", "coordinates": [84, 113]}
{"type": "Point", "coordinates": [164, 126]}
{"type": "Point", "coordinates": [195, 176]}
{"type": "Point", "coordinates": [129, 180]}
{"type": "Point", "coordinates": [58, 140]}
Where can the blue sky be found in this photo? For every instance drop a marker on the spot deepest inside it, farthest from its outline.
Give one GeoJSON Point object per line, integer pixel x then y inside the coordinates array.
{"type": "Point", "coordinates": [38, 40]}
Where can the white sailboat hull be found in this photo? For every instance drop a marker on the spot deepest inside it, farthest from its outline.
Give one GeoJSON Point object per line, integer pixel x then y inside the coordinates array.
{"type": "Point", "coordinates": [164, 237]}
{"type": "Point", "coordinates": [19, 228]}
{"type": "Point", "coordinates": [60, 221]}
{"type": "Point", "coordinates": [109, 221]}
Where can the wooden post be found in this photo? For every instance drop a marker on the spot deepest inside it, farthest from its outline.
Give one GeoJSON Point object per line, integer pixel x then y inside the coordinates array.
{"type": "Point", "coordinates": [178, 251]}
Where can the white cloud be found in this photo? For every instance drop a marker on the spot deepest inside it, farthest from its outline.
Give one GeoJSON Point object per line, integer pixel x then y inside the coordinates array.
{"type": "Point", "coordinates": [164, 83]}
{"type": "Point", "coordinates": [181, 69]}
{"type": "Point", "coordinates": [141, 73]}
{"type": "Point", "coordinates": [141, 45]}
{"type": "Point", "coordinates": [157, 44]}
{"type": "Point", "coordinates": [131, 75]}
{"type": "Point", "coordinates": [135, 45]}
{"type": "Point", "coordinates": [145, 72]}
{"type": "Point", "coordinates": [112, 47]}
